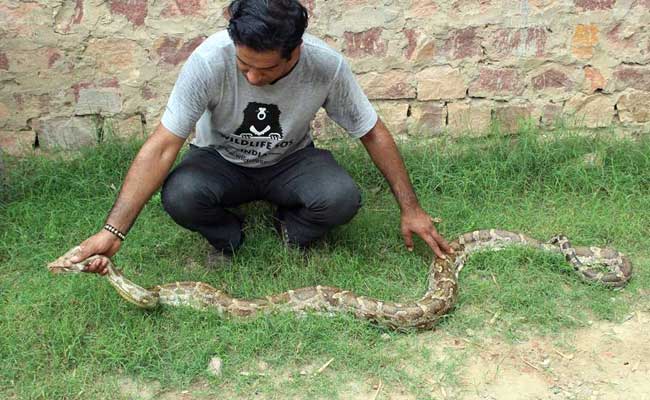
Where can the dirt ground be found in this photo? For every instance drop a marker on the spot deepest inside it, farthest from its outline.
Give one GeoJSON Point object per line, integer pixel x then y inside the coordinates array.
{"type": "Point", "coordinates": [605, 361]}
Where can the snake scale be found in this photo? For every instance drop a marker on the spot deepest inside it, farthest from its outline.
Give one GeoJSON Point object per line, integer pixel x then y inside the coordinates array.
{"type": "Point", "coordinates": [601, 265]}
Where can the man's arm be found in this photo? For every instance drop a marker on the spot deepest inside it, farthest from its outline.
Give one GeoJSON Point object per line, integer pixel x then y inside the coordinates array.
{"type": "Point", "coordinates": [384, 153]}
{"type": "Point", "coordinates": [146, 174]}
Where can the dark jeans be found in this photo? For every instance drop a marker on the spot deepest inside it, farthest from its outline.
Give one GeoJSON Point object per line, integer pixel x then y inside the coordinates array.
{"type": "Point", "coordinates": [312, 191]}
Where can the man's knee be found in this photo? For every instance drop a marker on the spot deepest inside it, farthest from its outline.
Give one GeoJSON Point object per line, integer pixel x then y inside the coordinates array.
{"type": "Point", "coordinates": [180, 196]}
{"type": "Point", "coordinates": [337, 204]}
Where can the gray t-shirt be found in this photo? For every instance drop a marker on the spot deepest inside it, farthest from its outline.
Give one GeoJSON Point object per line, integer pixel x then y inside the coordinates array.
{"type": "Point", "coordinates": [258, 126]}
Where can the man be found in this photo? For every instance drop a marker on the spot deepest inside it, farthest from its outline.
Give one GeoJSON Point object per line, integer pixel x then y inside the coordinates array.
{"type": "Point", "coordinates": [251, 92]}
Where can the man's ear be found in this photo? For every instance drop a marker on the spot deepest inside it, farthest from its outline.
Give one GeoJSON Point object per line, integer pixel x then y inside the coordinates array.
{"type": "Point", "coordinates": [296, 51]}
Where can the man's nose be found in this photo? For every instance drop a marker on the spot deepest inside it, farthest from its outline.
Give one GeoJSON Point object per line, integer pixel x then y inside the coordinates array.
{"type": "Point", "coordinates": [253, 77]}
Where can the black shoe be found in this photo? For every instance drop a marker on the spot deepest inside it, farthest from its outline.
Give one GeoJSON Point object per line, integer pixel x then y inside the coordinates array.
{"type": "Point", "coordinates": [216, 259]}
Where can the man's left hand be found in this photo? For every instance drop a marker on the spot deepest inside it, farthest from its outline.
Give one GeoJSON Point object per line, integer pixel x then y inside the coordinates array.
{"type": "Point", "coordinates": [419, 222]}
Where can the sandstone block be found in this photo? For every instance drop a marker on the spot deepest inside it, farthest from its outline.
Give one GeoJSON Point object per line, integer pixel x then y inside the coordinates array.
{"type": "Point", "coordinates": [411, 36]}
{"type": "Point", "coordinates": [552, 79]}
{"type": "Point", "coordinates": [394, 114]}
{"type": "Point", "coordinates": [363, 44]}
{"type": "Point", "coordinates": [593, 111]}
{"type": "Point", "coordinates": [594, 80]}
{"type": "Point", "coordinates": [634, 107]}
{"type": "Point", "coordinates": [585, 38]}
{"type": "Point", "coordinates": [66, 133]}
{"type": "Point", "coordinates": [472, 119]}
{"type": "Point", "coordinates": [175, 50]}
{"type": "Point", "coordinates": [124, 128]}
{"type": "Point", "coordinates": [361, 19]}
{"type": "Point", "coordinates": [627, 43]}
{"type": "Point", "coordinates": [497, 83]}
{"type": "Point", "coordinates": [642, 3]}
{"type": "Point", "coordinates": [590, 5]}
{"type": "Point", "coordinates": [135, 11]}
{"type": "Point", "coordinates": [462, 44]}
{"type": "Point", "coordinates": [511, 117]}
{"type": "Point", "coordinates": [441, 83]}
{"type": "Point", "coordinates": [420, 48]}
{"type": "Point", "coordinates": [17, 143]}
{"type": "Point", "coordinates": [185, 8]}
{"type": "Point", "coordinates": [421, 9]}
{"type": "Point", "coordinates": [108, 84]}
{"type": "Point", "coordinates": [519, 42]}
{"type": "Point", "coordinates": [98, 101]}
{"type": "Point", "coordinates": [392, 84]}
{"type": "Point", "coordinates": [427, 119]}
{"type": "Point", "coordinates": [112, 56]}
{"type": "Point", "coordinates": [68, 15]}
{"type": "Point", "coordinates": [22, 18]}
{"type": "Point", "coordinates": [28, 105]}
{"type": "Point", "coordinates": [551, 114]}
{"type": "Point", "coordinates": [631, 77]}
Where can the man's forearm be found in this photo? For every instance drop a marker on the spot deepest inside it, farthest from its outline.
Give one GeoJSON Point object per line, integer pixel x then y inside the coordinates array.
{"type": "Point", "coordinates": [146, 174]}
{"type": "Point", "coordinates": [384, 153]}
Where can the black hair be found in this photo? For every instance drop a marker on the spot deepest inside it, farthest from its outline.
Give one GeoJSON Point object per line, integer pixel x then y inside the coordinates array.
{"type": "Point", "coordinates": [268, 25]}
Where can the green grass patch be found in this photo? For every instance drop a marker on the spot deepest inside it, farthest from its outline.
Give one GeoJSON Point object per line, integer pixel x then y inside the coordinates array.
{"type": "Point", "coordinates": [74, 337]}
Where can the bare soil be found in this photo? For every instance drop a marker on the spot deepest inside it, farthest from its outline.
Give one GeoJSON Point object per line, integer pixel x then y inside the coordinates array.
{"type": "Point", "coordinates": [607, 361]}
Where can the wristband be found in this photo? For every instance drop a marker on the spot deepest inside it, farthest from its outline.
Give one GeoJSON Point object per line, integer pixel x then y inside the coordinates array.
{"type": "Point", "coordinates": [115, 231]}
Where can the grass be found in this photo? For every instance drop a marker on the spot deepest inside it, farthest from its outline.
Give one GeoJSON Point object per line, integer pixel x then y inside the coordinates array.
{"type": "Point", "coordinates": [73, 337]}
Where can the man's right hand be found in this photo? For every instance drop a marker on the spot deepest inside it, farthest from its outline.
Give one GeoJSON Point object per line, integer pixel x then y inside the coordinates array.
{"type": "Point", "coordinates": [102, 243]}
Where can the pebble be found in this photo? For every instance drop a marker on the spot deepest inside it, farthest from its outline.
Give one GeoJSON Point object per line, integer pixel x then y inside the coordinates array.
{"type": "Point", "coordinates": [215, 366]}
{"type": "Point", "coordinates": [263, 366]}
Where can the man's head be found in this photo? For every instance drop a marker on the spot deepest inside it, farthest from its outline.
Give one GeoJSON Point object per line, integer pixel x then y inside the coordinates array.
{"type": "Point", "coordinates": [267, 35]}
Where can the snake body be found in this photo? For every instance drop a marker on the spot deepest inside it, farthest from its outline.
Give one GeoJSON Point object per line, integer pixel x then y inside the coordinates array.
{"type": "Point", "coordinates": [438, 300]}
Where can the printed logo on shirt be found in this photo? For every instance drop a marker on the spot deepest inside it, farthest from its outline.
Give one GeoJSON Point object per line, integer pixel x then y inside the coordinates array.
{"type": "Point", "coordinates": [261, 121]}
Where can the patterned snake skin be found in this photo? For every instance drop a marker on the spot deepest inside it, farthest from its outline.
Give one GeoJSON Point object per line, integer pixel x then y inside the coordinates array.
{"type": "Point", "coordinates": [439, 298]}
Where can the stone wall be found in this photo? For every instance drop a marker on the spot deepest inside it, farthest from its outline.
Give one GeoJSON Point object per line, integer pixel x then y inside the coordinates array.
{"type": "Point", "coordinates": [70, 69]}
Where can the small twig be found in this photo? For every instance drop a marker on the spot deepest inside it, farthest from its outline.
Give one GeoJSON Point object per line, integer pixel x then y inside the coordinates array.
{"type": "Point", "coordinates": [494, 318]}
{"type": "Point", "coordinates": [381, 384]}
{"type": "Point", "coordinates": [246, 373]}
{"type": "Point", "coordinates": [321, 369]}
{"type": "Point", "coordinates": [529, 364]}
{"type": "Point", "coordinates": [494, 278]}
{"type": "Point", "coordinates": [569, 357]}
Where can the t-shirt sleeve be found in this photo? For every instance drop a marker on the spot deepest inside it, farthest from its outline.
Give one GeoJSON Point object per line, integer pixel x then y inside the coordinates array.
{"type": "Point", "coordinates": [190, 96]}
{"type": "Point", "coordinates": [348, 105]}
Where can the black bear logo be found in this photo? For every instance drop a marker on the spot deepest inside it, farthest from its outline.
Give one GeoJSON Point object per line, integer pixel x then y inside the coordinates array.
{"type": "Point", "coordinates": [261, 120]}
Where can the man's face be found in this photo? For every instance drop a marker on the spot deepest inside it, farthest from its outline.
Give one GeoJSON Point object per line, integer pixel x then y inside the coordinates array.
{"type": "Point", "coordinates": [263, 68]}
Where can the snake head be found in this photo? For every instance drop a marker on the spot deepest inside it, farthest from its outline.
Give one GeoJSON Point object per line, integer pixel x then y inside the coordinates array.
{"type": "Point", "coordinates": [63, 264]}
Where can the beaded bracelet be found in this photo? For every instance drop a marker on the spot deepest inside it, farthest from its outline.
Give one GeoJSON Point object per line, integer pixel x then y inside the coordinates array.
{"type": "Point", "coordinates": [115, 231]}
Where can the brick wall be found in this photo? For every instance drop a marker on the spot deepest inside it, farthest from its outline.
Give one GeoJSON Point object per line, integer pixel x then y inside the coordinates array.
{"type": "Point", "coordinates": [70, 68]}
